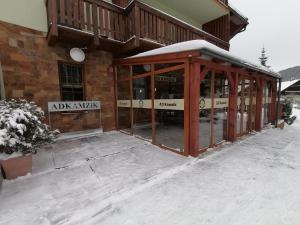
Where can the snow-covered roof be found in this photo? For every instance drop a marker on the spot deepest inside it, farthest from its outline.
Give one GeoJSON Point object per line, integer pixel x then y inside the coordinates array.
{"type": "Point", "coordinates": [209, 49]}
{"type": "Point", "coordinates": [287, 84]}
{"type": "Point", "coordinates": [237, 11]}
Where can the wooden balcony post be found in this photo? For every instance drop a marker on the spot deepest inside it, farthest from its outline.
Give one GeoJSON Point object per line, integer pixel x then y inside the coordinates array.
{"type": "Point", "coordinates": [95, 24]}
{"type": "Point", "coordinates": [137, 25]}
{"type": "Point", "coordinates": [167, 32]}
{"type": "Point", "coordinates": [53, 30]}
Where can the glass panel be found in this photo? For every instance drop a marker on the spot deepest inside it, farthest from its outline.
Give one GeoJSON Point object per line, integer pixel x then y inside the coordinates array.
{"type": "Point", "coordinates": [246, 110]}
{"type": "Point", "coordinates": [221, 104]}
{"type": "Point", "coordinates": [263, 110]}
{"type": "Point", "coordinates": [124, 106]}
{"type": "Point", "coordinates": [169, 109]}
{"type": "Point", "coordinates": [270, 102]}
{"type": "Point", "coordinates": [266, 106]}
{"type": "Point", "coordinates": [140, 69]}
{"type": "Point", "coordinates": [239, 108]}
{"type": "Point", "coordinates": [254, 105]}
{"type": "Point", "coordinates": [142, 105]}
{"type": "Point", "coordinates": [205, 112]}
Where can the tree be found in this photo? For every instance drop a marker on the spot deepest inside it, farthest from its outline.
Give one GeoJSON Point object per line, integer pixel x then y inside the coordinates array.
{"type": "Point", "coordinates": [264, 58]}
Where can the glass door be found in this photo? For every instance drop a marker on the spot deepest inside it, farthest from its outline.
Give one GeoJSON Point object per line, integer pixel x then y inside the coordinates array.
{"type": "Point", "coordinates": [213, 115]}
{"type": "Point", "coordinates": [220, 108]}
{"type": "Point", "coordinates": [124, 106]}
{"type": "Point", "coordinates": [142, 108]}
{"type": "Point", "coordinates": [169, 109]}
{"type": "Point", "coordinates": [245, 106]}
{"type": "Point", "coordinates": [205, 113]}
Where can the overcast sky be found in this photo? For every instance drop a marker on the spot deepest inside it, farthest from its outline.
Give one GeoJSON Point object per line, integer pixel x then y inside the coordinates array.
{"type": "Point", "coordinates": [274, 24]}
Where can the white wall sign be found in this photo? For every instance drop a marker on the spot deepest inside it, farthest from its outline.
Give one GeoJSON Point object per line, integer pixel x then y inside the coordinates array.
{"type": "Point", "coordinates": [178, 104]}
{"type": "Point", "coordinates": [74, 106]}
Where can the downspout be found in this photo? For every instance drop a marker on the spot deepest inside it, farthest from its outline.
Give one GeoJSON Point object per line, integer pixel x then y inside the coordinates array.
{"type": "Point", "coordinates": [2, 88]}
{"type": "Point", "coordinates": [278, 101]}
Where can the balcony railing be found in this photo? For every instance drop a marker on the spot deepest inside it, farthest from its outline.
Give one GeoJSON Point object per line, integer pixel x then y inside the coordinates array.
{"type": "Point", "coordinates": [107, 21]}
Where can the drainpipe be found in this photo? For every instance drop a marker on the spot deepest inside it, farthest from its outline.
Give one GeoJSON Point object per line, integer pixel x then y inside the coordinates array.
{"type": "Point", "coordinates": [278, 101]}
{"type": "Point", "coordinates": [2, 90]}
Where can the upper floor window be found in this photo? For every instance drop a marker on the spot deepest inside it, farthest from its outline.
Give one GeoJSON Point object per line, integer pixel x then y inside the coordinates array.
{"type": "Point", "coordinates": [71, 82]}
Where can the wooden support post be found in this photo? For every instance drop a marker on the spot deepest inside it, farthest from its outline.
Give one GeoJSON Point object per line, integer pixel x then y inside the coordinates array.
{"type": "Point", "coordinates": [250, 110]}
{"type": "Point", "coordinates": [194, 108]}
{"type": "Point", "coordinates": [259, 104]}
{"type": "Point", "coordinates": [233, 104]}
{"type": "Point", "coordinates": [187, 108]}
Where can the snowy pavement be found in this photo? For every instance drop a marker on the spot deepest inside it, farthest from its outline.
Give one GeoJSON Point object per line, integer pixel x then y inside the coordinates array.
{"type": "Point", "coordinates": [115, 179]}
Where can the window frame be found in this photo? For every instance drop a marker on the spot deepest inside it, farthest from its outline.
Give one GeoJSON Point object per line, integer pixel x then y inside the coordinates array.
{"type": "Point", "coordinates": [74, 64]}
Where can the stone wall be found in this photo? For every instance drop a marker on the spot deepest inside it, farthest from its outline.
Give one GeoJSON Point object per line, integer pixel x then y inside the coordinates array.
{"type": "Point", "coordinates": [30, 71]}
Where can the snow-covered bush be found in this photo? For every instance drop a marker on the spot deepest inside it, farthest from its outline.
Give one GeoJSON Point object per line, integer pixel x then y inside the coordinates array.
{"type": "Point", "coordinates": [21, 127]}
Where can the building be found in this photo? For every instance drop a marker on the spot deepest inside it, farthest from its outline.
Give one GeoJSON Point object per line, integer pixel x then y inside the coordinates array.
{"type": "Point", "coordinates": [291, 90]}
{"type": "Point", "coordinates": [234, 96]}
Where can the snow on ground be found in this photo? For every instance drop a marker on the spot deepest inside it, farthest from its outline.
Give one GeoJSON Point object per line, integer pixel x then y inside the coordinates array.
{"type": "Point", "coordinates": [115, 179]}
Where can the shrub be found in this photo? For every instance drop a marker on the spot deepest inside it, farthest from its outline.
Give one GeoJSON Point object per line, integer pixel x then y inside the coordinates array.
{"type": "Point", "coordinates": [21, 127]}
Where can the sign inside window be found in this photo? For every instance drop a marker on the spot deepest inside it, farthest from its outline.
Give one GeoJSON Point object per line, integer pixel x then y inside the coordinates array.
{"type": "Point", "coordinates": [74, 106]}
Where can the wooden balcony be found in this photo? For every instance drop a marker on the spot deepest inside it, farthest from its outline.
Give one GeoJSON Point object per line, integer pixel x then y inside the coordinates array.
{"type": "Point", "coordinates": [106, 26]}
{"type": "Point", "coordinates": [225, 2]}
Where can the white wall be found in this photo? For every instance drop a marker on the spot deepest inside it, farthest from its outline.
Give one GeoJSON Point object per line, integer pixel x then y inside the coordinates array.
{"type": "Point", "coordinates": [27, 13]}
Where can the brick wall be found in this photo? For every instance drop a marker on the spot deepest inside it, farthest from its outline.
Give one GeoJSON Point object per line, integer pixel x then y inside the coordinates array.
{"type": "Point", "coordinates": [30, 71]}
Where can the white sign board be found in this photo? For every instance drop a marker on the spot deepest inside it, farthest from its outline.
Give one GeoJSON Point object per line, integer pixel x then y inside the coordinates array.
{"type": "Point", "coordinates": [74, 106]}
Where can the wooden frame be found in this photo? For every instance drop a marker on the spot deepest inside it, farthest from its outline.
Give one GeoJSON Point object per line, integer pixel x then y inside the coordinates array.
{"type": "Point", "coordinates": [152, 74]}
{"type": "Point", "coordinates": [195, 70]}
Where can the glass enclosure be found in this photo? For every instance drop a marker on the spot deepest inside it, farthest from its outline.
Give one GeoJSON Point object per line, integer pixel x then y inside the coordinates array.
{"type": "Point", "coordinates": [155, 102]}
{"type": "Point", "coordinates": [152, 109]}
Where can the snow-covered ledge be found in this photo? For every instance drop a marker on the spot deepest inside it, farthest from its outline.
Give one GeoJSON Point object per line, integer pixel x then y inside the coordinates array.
{"type": "Point", "coordinates": [79, 134]}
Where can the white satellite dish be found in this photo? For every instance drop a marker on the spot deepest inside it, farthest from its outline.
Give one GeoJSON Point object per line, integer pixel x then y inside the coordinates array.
{"type": "Point", "coordinates": [77, 54]}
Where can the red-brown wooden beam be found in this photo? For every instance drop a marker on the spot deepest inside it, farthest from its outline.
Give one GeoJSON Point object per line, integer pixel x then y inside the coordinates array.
{"type": "Point", "coordinates": [233, 101]}
{"type": "Point", "coordinates": [187, 109]}
{"type": "Point", "coordinates": [194, 108]}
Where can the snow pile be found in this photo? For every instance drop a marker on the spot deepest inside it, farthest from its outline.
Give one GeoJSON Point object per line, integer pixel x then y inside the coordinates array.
{"type": "Point", "coordinates": [21, 129]}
